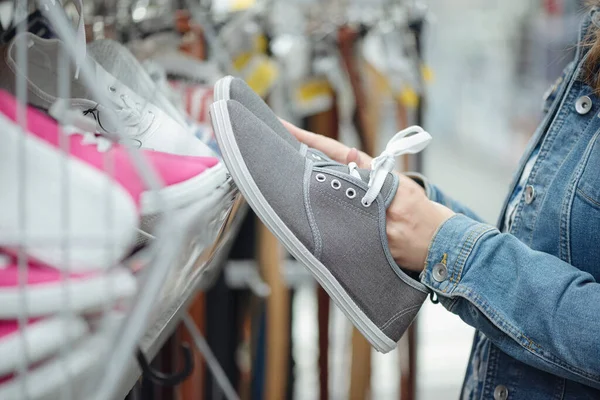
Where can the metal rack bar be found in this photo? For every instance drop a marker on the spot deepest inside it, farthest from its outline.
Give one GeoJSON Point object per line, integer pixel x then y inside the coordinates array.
{"type": "Point", "coordinates": [173, 306]}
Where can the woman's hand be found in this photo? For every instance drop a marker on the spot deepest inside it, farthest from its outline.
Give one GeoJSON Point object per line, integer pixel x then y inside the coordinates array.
{"type": "Point", "coordinates": [412, 219]}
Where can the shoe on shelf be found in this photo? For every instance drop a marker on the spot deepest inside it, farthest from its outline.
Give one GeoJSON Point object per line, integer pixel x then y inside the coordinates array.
{"type": "Point", "coordinates": [188, 180]}
{"type": "Point", "coordinates": [73, 371]}
{"type": "Point", "coordinates": [145, 125]}
{"type": "Point", "coordinates": [44, 293]}
{"type": "Point", "coordinates": [329, 216]}
{"type": "Point", "coordinates": [118, 61]}
{"type": "Point", "coordinates": [194, 99]}
{"type": "Point", "coordinates": [62, 211]}
{"type": "Point", "coordinates": [231, 88]}
{"type": "Point", "coordinates": [44, 338]}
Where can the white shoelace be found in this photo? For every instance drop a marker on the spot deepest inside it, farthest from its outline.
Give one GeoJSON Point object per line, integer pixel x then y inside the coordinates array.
{"type": "Point", "coordinates": [408, 141]}
{"type": "Point", "coordinates": [76, 124]}
{"type": "Point", "coordinates": [133, 115]}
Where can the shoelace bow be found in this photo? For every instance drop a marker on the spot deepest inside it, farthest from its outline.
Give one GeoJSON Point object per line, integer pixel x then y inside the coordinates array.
{"type": "Point", "coordinates": [132, 114]}
{"type": "Point", "coordinates": [411, 140]}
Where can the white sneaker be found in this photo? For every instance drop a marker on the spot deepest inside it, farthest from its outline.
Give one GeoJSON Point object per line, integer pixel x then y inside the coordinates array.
{"type": "Point", "coordinates": [146, 125]}
{"type": "Point", "coordinates": [122, 64]}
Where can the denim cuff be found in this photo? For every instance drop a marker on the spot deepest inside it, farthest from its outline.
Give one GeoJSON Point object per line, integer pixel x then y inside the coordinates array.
{"type": "Point", "coordinates": [449, 252]}
{"type": "Point", "coordinates": [430, 191]}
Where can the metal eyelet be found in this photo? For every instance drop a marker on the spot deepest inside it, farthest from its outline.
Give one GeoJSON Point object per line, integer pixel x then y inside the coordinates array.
{"type": "Point", "coordinates": [365, 204]}
{"type": "Point", "coordinates": [320, 178]}
{"type": "Point", "coordinates": [316, 157]}
{"type": "Point", "coordinates": [350, 193]}
{"type": "Point", "coordinates": [336, 184]}
{"type": "Point", "coordinates": [112, 89]}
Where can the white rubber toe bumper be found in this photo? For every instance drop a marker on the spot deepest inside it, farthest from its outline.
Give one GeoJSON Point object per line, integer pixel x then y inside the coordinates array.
{"type": "Point", "coordinates": [184, 194]}
{"type": "Point", "coordinates": [222, 88]}
{"type": "Point", "coordinates": [58, 209]}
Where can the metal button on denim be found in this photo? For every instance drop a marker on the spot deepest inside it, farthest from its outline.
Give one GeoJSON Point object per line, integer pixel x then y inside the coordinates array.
{"type": "Point", "coordinates": [440, 272]}
{"type": "Point", "coordinates": [529, 194]}
{"type": "Point", "coordinates": [583, 105]}
{"type": "Point", "coordinates": [501, 392]}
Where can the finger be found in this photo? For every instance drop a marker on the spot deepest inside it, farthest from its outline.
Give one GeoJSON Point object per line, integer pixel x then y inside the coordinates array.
{"type": "Point", "coordinates": [360, 158]}
{"type": "Point", "coordinates": [353, 156]}
{"type": "Point", "coordinates": [300, 134]}
{"type": "Point", "coordinates": [332, 148]}
{"type": "Point", "coordinates": [364, 160]}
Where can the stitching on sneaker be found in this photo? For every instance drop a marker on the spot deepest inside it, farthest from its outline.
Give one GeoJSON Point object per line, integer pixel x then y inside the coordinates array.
{"type": "Point", "coordinates": [398, 315]}
{"type": "Point", "coordinates": [311, 218]}
{"type": "Point", "coordinates": [347, 205]}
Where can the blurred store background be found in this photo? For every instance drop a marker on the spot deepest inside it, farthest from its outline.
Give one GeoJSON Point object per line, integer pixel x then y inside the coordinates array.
{"type": "Point", "coordinates": [491, 62]}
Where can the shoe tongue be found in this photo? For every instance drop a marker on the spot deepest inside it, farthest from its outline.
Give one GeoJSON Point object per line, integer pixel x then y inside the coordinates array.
{"type": "Point", "coordinates": [390, 186]}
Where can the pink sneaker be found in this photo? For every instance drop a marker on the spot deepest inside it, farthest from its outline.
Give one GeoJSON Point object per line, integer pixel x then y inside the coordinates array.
{"type": "Point", "coordinates": [48, 200]}
{"type": "Point", "coordinates": [45, 290]}
{"type": "Point", "coordinates": [44, 338]}
{"type": "Point", "coordinates": [186, 179]}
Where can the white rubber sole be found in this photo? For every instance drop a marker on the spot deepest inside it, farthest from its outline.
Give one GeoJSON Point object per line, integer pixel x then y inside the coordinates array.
{"type": "Point", "coordinates": [61, 210]}
{"type": "Point", "coordinates": [241, 175]}
{"type": "Point", "coordinates": [72, 372]}
{"type": "Point", "coordinates": [84, 295]}
{"type": "Point", "coordinates": [185, 193]}
{"type": "Point", "coordinates": [222, 88]}
{"type": "Point", "coordinates": [43, 339]}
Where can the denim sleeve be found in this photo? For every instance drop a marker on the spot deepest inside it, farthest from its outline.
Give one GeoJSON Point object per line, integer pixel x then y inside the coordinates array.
{"type": "Point", "coordinates": [436, 195]}
{"type": "Point", "coordinates": [533, 306]}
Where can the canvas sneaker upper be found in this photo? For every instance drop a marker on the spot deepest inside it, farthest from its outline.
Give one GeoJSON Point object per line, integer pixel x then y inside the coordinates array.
{"type": "Point", "coordinates": [330, 216]}
{"type": "Point", "coordinates": [231, 88]}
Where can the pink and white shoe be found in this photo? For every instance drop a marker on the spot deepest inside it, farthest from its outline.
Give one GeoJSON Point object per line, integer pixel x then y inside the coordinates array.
{"type": "Point", "coordinates": [76, 369]}
{"type": "Point", "coordinates": [44, 338]}
{"type": "Point", "coordinates": [61, 210]}
{"type": "Point", "coordinates": [47, 289]}
{"type": "Point", "coordinates": [188, 180]}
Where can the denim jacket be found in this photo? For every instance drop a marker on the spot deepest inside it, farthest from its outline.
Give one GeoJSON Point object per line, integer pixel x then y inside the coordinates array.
{"type": "Point", "coordinates": [531, 290]}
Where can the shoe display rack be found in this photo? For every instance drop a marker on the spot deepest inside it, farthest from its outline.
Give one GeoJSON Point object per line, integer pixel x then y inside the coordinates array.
{"type": "Point", "coordinates": [104, 244]}
{"type": "Point", "coordinates": [200, 264]}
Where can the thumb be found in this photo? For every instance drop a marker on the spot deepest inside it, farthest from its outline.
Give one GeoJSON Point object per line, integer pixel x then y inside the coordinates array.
{"type": "Point", "coordinates": [358, 157]}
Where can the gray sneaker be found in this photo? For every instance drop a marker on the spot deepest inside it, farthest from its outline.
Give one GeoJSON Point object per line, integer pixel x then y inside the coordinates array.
{"type": "Point", "coordinates": [231, 88]}
{"type": "Point", "coordinates": [330, 216]}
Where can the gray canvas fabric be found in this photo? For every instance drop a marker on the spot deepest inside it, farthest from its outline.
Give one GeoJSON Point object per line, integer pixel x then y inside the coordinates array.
{"type": "Point", "coordinates": [276, 167]}
{"type": "Point", "coordinates": [353, 250]}
{"type": "Point", "coordinates": [343, 237]}
{"type": "Point", "coordinates": [242, 93]}
{"type": "Point", "coordinates": [396, 327]}
{"type": "Point", "coordinates": [390, 186]}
